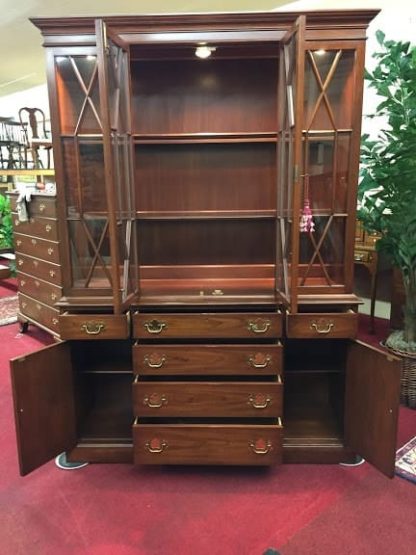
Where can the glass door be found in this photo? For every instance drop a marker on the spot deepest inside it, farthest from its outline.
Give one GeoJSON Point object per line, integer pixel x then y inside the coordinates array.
{"type": "Point", "coordinates": [290, 101]}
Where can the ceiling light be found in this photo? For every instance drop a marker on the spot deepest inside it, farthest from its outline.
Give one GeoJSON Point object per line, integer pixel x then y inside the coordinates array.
{"type": "Point", "coordinates": [203, 51]}
{"type": "Point", "coordinates": [320, 52]}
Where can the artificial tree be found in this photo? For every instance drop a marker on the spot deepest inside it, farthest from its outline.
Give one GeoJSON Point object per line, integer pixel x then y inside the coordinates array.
{"type": "Point", "coordinates": [387, 190]}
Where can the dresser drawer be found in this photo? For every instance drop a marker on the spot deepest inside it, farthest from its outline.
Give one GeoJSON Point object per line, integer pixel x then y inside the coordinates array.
{"type": "Point", "coordinates": [39, 268]}
{"type": "Point", "coordinates": [38, 206]}
{"type": "Point", "coordinates": [41, 290]}
{"type": "Point", "coordinates": [208, 399]}
{"type": "Point", "coordinates": [177, 326]}
{"type": "Point", "coordinates": [219, 444]}
{"type": "Point", "coordinates": [94, 326]}
{"type": "Point", "coordinates": [40, 248]}
{"type": "Point", "coordinates": [322, 325]}
{"type": "Point", "coordinates": [37, 227]}
{"type": "Point", "coordinates": [207, 359]}
{"type": "Point", "coordinates": [45, 315]}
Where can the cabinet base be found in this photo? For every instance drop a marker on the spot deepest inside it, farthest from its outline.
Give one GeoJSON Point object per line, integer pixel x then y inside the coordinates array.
{"type": "Point", "coordinates": [62, 462]}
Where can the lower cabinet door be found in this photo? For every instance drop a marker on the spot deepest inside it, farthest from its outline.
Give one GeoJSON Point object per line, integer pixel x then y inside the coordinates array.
{"type": "Point", "coordinates": [217, 444]}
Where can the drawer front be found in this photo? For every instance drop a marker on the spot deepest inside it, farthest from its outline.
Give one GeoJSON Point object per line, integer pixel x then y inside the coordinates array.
{"type": "Point", "coordinates": [177, 326]}
{"type": "Point", "coordinates": [37, 227]}
{"type": "Point", "coordinates": [208, 399]}
{"type": "Point", "coordinates": [94, 326]}
{"type": "Point", "coordinates": [207, 359]}
{"type": "Point", "coordinates": [38, 206]}
{"type": "Point", "coordinates": [40, 248]}
{"type": "Point", "coordinates": [207, 444]}
{"type": "Point", "coordinates": [45, 315]}
{"type": "Point", "coordinates": [322, 326]}
{"type": "Point", "coordinates": [45, 292]}
{"type": "Point", "coordinates": [39, 268]}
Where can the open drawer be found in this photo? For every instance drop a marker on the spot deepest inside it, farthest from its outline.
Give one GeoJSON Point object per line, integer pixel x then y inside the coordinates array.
{"type": "Point", "coordinates": [322, 325]}
{"type": "Point", "coordinates": [239, 444]}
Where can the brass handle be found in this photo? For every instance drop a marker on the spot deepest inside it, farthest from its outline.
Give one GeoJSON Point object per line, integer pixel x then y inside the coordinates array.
{"type": "Point", "coordinates": [260, 449]}
{"type": "Point", "coordinates": [217, 292]}
{"type": "Point", "coordinates": [154, 326]}
{"type": "Point", "coordinates": [33, 241]}
{"type": "Point", "coordinates": [259, 327]}
{"type": "Point", "coordinates": [150, 361]}
{"type": "Point", "coordinates": [155, 401]}
{"type": "Point", "coordinates": [42, 207]}
{"type": "Point", "coordinates": [24, 304]}
{"type": "Point", "coordinates": [54, 296]}
{"type": "Point", "coordinates": [259, 401]}
{"type": "Point", "coordinates": [50, 251]}
{"type": "Point", "coordinates": [54, 321]}
{"type": "Point", "coordinates": [22, 283]}
{"type": "Point", "coordinates": [157, 447]}
{"type": "Point", "coordinates": [37, 283]}
{"type": "Point", "coordinates": [52, 273]}
{"type": "Point", "coordinates": [16, 223]}
{"type": "Point", "coordinates": [318, 327]}
{"type": "Point", "coordinates": [20, 262]}
{"type": "Point", "coordinates": [35, 263]}
{"type": "Point", "coordinates": [18, 243]}
{"type": "Point", "coordinates": [93, 328]}
{"type": "Point", "coordinates": [38, 306]}
{"type": "Point", "coordinates": [48, 228]}
{"type": "Point", "coordinates": [252, 361]}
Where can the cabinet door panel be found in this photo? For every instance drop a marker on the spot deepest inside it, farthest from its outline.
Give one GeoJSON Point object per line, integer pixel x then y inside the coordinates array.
{"type": "Point", "coordinates": [43, 405]}
{"type": "Point", "coordinates": [372, 403]}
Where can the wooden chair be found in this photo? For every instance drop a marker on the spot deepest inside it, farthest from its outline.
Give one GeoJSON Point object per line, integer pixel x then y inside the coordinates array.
{"type": "Point", "coordinates": [38, 137]}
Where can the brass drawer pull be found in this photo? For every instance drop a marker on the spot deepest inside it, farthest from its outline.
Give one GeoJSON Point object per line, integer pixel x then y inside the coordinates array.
{"type": "Point", "coordinates": [319, 327]}
{"type": "Point", "coordinates": [155, 401]}
{"type": "Point", "coordinates": [35, 263]}
{"type": "Point", "coordinates": [48, 228]}
{"type": "Point", "coordinates": [54, 296]}
{"type": "Point", "coordinates": [93, 328]}
{"type": "Point", "coordinates": [50, 251]}
{"type": "Point", "coordinates": [154, 326]}
{"type": "Point", "coordinates": [20, 262]}
{"type": "Point", "coordinates": [22, 283]}
{"type": "Point", "coordinates": [33, 241]}
{"type": "Point", "coordinates": [16, 223]}
{"type": "Point", "coordinates": [259, 401]}
{"type": "Point", "coordinates": [37, 283]}
{"type": "Point", "coordinates": [259, 361]}
{"type": "Point", "coordinates": [42, 207]}
{"type": "Point", "coordinates": [18, 243]}
{"type": "Point", "coordinates": [154, 360]}
{"type": "Point", "coordinates": [260, 447]}
{"type": "Point", "coordinates": [52, 273]}
{"type": "Point", "coordinates": [55, 321]}
{"type": "Point", "coordinates": [156, 446]}
{"type": "Point", "coordinates": [259, 327]}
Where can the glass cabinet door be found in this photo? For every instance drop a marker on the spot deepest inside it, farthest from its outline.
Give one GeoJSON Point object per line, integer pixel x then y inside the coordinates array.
{"type": "Point", "coordinates": [330, 144]}
{"type": "Point", "coordinates": [93, 122]}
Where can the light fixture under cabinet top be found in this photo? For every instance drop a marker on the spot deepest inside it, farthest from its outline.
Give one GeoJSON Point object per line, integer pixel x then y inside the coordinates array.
{"type": "Point", "coordinates": [204, 51]}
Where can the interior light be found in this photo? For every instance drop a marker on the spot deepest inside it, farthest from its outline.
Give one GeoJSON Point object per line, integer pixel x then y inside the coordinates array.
{"type": "Point", "coordinates": [91, 58]}
{"type": "Point", "coordinates": [320, 52]}
{"type": "Point", "coordinates": [60, 59]}
{"type": "Point", "coordinates": [204, 51]}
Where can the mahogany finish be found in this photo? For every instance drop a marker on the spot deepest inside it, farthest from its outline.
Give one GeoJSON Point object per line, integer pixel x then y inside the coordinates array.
{"type": "Point", "coordinates": [39, 313]}
{"type": "Point", "coordinates": [180, 188]}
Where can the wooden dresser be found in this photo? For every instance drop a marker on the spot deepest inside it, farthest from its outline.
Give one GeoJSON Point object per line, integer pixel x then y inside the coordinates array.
{"type": "Point", "coordinates": [37, 263]}
{"type": "Point", "coordinates": [206, 214]}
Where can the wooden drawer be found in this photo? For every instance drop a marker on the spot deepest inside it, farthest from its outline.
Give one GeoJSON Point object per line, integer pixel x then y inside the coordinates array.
{"type": "Point", "coordinates": [207, 359]}
{"type": "Point", "coordinates": [207, 399]}
{"type": "Point", "coordinates": [226, 444]}
{"type": "Point", "coordinates": [40, 248]}
{"type": "Point", "coordinates": [322, 325]}
{"type": "Point", "coordinates": [45, 315]}
{"type": "Point", "coordinates": [37, 227]}
{"type": "Point", "coordinates": [39, 268]}
{"type": "Point", "coordinates": [94, 326]}
{"type": "Point", "coordinates": [41, 290]}
{"type": "Point", "coordinates": [38, 206]}
{"type": "Point", "coordinates": [207, 325]}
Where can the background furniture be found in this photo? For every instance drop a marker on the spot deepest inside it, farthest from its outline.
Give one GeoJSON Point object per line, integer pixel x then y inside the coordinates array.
{"type": "Point", "coordinates": [187, 282]}
{"type": "Point", "coordinates": [37, 137]}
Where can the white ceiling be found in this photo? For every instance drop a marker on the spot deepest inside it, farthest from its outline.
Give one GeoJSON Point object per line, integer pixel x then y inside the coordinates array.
{"type": "Point", "coordinates": [22, 58]}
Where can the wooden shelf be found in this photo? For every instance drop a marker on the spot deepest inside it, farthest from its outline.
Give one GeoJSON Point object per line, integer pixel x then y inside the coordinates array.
{"type": "Point", "coordinates": [190, 138]}
{"type": "Point", "coordinates": [207, 215]}
{"type": "Point", "coordinates": [34, 172]}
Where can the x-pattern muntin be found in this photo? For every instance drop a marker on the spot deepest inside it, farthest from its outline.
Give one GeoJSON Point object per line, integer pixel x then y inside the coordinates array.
{"type": "Point", "coordinates": [87, 91]}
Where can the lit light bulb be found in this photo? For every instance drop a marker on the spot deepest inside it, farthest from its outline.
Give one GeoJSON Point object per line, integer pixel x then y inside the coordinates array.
{"type": "Point", "coordinates": [203, 51]}
{"type": "Point", "coordinates": [320, 52]}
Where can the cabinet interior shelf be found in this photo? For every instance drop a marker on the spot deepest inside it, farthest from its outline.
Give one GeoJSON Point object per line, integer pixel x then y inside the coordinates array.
{"type": "Point", "coordinates": [178, 138]}
{"type": "Point", "coordinates": [206, 215]}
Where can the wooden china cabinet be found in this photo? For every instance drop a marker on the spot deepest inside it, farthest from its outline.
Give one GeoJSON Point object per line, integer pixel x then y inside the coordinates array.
{"type": "Point", "coordinates": [202, 320]}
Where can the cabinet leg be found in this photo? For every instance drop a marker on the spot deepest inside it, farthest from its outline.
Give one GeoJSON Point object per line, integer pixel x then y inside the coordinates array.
{"type": "Point", "coordinates": [358, 461]}
{"type": "Point", "coordinates": [23, 326]}
{"type": "Point", "coordinates": [62, 462]}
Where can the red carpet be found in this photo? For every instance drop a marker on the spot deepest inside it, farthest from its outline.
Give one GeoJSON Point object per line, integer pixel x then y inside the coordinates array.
{"type": "Point", "coordinates": [122, 510]}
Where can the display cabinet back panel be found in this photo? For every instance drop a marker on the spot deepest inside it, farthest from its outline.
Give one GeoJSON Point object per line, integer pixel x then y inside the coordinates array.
{"type": "Point", "coordinates": [204, 96]}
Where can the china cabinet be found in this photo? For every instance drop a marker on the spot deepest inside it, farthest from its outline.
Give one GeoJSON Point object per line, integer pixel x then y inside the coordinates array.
{"type": "Point", "coordinates": [206, 215]}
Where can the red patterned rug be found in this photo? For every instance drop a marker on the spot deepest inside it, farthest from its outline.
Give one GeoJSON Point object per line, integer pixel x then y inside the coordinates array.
{"type": "Point", "coordinates": [9, 307]}
{"type": "Point", "coordinates": [406, 461]}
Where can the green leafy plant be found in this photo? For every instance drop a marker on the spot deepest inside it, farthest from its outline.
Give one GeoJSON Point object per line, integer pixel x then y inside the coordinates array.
{"type": "Point", "coordinates": [387, 190]}
{"type": "Point", "coordinates": [6, 226]}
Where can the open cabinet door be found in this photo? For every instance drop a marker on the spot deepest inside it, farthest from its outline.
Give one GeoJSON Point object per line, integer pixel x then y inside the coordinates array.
{"type": "Point", "coordinates": [44, 407]}
{"type": "Point", "coordinates": [372, 399]}
{"type": "Point", "coordinates": [114, 78]}
{"type": "Point", "coordinates": [290, 102]}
